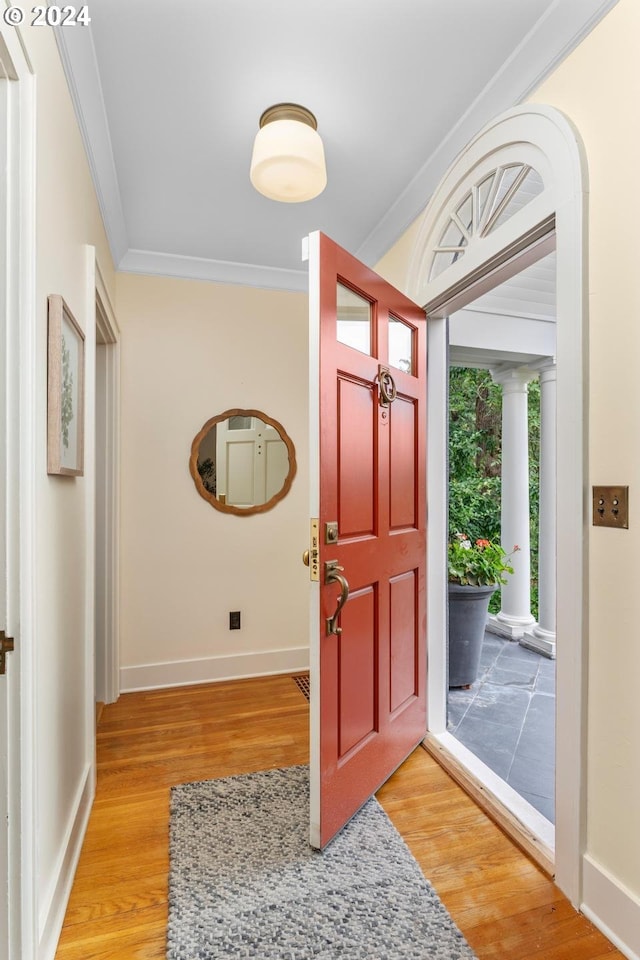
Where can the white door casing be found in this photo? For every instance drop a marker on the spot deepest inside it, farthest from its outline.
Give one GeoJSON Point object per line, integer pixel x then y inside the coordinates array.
{"type": "Point", "coordinates": [107, 507]}
{"type": "Point", "coordinates": [5, 415]}
{"type": "Point", "coordinates": [18, 455]}
{"type": "Point", "coordinates": [544, 138]}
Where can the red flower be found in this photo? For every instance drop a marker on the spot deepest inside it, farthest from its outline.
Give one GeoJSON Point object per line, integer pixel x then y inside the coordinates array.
{"type": "Point", "coordinates": [482, 543]}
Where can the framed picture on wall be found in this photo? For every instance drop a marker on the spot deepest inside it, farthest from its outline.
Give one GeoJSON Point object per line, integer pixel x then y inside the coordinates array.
{"type": "Point", "coordinates": [65, 391]}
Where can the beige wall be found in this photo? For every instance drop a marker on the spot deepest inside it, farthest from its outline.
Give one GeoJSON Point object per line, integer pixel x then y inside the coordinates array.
{"type": "Point", "coordinates": [67, 219]}
{"type": "Point", "coordinates": [393, 266]}
{"type": "Point", "coordinates": [598, 88]}
{"type": "Point", "coordinates": [191, 350]}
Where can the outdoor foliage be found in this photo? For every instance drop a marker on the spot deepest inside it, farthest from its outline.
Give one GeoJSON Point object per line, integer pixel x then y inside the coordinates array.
{"type": "Point", "coordinates": [207, 471]}
{"type": "Point", "coordinates": [474, 453]}
{"type": "Point", "coordinates": [479, 564]}
{"type": "Point", "coordinates": [475, 461]}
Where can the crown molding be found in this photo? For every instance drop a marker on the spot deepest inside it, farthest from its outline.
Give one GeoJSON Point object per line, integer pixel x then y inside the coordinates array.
{"type": "Point", "coordinates": [554, 35]}
{"type": "Point", "coordinates": [215, 271]}
{"type": "Point", "coordinates": [564, 25]}
{"type": "Point", "coordinates": [78, 56]}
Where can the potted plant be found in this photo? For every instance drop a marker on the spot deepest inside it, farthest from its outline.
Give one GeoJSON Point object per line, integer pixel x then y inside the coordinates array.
{"type": "Point", "coordinates": [475, 570]}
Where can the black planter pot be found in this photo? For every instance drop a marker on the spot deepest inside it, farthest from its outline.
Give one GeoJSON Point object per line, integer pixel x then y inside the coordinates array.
{"type": "Point", "coordinates": [468, 611]}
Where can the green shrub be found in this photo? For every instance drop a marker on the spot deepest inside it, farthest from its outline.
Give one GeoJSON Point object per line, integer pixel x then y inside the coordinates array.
{"type": "Point", "coordinates": [475, 462]}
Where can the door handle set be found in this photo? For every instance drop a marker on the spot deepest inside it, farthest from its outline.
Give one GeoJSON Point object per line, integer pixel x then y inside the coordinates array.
{"type": "Point", "coordinates": [333, 574]}
{"type": "Point", "coordinates": [6, 646]}
{"type": "Point", "coordinates": [332, 570]}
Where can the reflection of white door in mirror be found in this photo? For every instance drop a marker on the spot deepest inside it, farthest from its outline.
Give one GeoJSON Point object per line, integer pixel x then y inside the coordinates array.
{"type": "Point", "coordinates": [251, 461]}
{"type": "Point", "coordinates": [242, 462]}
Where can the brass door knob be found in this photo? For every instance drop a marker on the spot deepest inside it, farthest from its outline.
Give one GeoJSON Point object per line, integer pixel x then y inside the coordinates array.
{"type": "Point", "coordinates": [332, 575]}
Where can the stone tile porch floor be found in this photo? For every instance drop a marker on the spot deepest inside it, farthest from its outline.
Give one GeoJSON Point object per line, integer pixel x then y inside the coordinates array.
{"type": "Point", "coordinates": [507, 719]}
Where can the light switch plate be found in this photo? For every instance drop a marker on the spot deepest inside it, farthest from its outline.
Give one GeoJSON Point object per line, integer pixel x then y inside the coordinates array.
{"type": "Point", "coordinates": [611, 507]}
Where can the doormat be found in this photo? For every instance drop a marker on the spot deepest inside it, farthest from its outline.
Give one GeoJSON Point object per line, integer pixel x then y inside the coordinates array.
{"type": "Point", "coordinates": [303, 682]}
{"type": "Point", "coordinates": [244, 881]}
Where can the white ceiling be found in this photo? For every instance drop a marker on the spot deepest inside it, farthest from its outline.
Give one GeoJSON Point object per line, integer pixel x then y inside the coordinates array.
{"type": "Point", "coordinates": [514, 324]}
{"type": "Point", "coordinates": [530, 294]}
{"type": "Point", "coordinates": [169, 95]}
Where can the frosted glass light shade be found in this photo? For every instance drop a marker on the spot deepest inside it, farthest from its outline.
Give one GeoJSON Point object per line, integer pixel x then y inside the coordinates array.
{"type": "Point", "coordinates": [288, 159]}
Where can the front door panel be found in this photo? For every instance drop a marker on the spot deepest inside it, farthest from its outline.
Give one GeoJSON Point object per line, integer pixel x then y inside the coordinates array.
{"type": "Point", "coordinates": [368, 682]}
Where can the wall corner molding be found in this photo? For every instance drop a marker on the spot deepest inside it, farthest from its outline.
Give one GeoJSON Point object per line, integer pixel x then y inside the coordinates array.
{"type": "Point", "coordinates": [611, 907]}
{"type": "Point", "coordinates": [78, 56]}
{"type": "Point", "coordinates": [54, 905]}
{"type": "Point", "coordinates": [242, 666]}
{"type": "Point", "coordinates": [151, 263]}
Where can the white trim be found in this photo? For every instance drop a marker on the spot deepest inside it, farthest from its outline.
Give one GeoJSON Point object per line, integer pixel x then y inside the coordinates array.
{"type": "Point", "coordinates": [78, 56]}
{"type": "Point", "coordinates": [522, 253]}
{"type": "Point", "coordinates": [22, 278]}
{"type": "Point", "coordinates": [240, 666]}
{"type": "Point", "coordinates": [9, 498]}
{"type": "Point", "coordinates": [90, 510]}
{"type": "Point", "coordinates": [216, 271]}
{"type": "Point", "coordinates": [552, 134]}
{"type": "Point", "coordinates": [487, 151]}
{"type": "Point", "coordinates": [437, 492]}
{"type": "Point", "coordinates": [611, 907]}
{"type": "Point", "coordinates": [536, 640]}
{"type": "Point", "coordinates": [7, 70]}
{"type": "Point", "coordinates": [54, 903]}
{"type": "Point", "coordinates": [530, 818]}
{"type": "Point", "coordinates": [28, 520]}
{"type": "Point", "coordinates": [107, 322]}
{"type": "Point", "coordinates": [499, 338]}
{"type": "Point", "coordinates": [311, 252]}
{"type": "Point", "coordinates": [108, 566]}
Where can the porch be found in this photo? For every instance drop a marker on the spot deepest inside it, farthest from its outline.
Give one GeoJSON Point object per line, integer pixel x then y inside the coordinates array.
{"type": "Point", "coordinates": [507, 719]}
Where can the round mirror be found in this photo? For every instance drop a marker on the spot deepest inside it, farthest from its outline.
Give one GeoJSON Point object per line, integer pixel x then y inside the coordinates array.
{"type": "Point", "coordinates": [242, 462]}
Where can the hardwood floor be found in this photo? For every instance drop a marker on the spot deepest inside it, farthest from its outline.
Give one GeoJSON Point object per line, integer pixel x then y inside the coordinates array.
{"type": "Point", "coordinates": [505, 906]}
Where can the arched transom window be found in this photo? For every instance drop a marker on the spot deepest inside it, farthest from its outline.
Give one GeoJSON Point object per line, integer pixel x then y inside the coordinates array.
{"type": "Point", "coordinates": [490, 202]}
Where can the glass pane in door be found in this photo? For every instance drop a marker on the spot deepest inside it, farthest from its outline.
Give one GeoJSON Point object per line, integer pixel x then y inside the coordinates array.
{"type": "Point", "coordinates": [354, 320]}
{"type": "Point", "coordinates": [400, 345]}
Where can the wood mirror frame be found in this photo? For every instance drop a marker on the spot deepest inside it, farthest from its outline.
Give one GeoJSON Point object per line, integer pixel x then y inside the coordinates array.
{"type": "Point", "coordinates": [227, 507]}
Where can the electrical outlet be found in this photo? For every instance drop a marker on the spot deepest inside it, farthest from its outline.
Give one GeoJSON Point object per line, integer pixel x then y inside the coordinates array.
{"type": "Point", "coordinates": [234, 620]}
{"type": "Point", "coordinates": [611, 507]}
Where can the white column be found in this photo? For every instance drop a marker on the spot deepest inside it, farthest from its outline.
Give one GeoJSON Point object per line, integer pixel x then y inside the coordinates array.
{"type": "Point", "coordinates": [515, 613]}
{"type": "Point", "coordinates": [543, 636]}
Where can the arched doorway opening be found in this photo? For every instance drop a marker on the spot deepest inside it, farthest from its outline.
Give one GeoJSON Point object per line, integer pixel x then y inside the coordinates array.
{"type": "Point", "coordinates": [449, 270]}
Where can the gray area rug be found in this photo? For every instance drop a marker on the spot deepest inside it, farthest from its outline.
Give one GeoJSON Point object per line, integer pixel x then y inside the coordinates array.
{"type": "Point", "coordinates": [244, 882]}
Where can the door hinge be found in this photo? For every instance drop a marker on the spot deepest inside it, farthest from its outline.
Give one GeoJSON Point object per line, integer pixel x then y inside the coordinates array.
{"type": "Point", "coordinates": [6, 646]}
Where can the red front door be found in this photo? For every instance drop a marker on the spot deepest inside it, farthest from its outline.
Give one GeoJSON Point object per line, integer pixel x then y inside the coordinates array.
{"type": "Point", "coordinates": [368, 424]}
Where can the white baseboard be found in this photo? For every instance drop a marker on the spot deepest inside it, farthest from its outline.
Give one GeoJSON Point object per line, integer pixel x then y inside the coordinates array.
{"type": "Point", "coordinates": [181, 673]}
{"type": "Point", "coordinates": [52, 911]}
{"type": "Point", "coordinates": [612, 908]}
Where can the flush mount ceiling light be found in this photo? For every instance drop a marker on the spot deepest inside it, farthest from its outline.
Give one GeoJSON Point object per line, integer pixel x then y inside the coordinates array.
{"type": "Point", "coordinates": [288, 156]}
